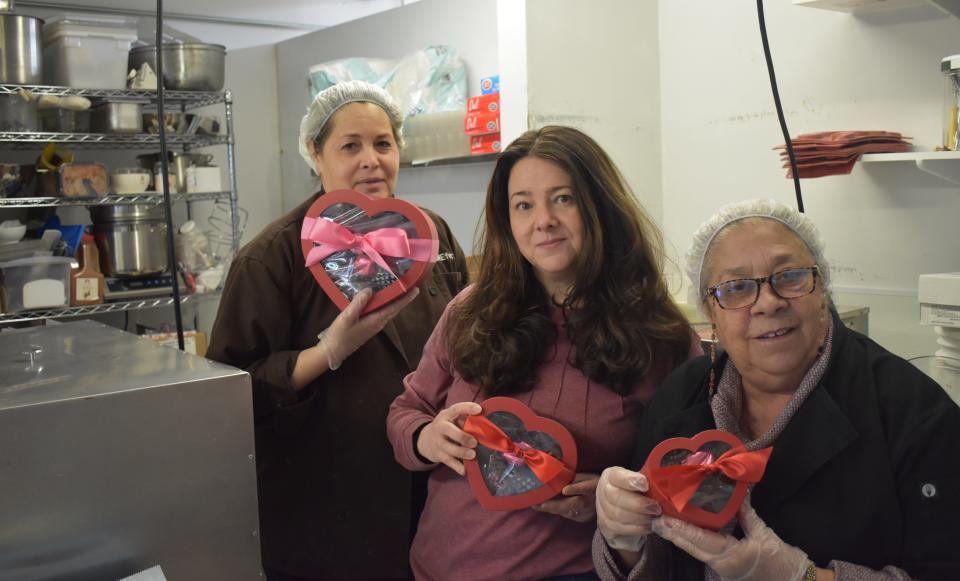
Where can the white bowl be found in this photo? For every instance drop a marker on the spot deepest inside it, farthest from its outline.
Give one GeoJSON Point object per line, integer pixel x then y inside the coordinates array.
{"type": "Point", "coordinates": [12, 231]}
{"type": "Point", "coordinates": [130, 183]}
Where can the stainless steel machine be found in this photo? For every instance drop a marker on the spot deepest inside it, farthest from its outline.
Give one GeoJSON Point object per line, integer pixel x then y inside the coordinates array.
{"type": "Point", "coordinates": [118, 454]}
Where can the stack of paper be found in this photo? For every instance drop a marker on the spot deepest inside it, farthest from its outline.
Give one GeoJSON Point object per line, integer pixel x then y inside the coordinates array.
{"type": "Point", "coordinates": [829, 153]}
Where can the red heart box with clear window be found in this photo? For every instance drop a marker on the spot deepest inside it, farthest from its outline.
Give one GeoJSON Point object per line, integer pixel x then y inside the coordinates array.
{"type": "Point", "coordinates": [522, 459]}
{"type": "Point", "coordinates": [704, 479]}
{"type": "Point", "coordinates": [351, 241]}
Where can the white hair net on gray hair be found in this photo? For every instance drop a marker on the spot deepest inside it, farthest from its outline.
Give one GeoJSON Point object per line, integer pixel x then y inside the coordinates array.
{"type": "Point", "coordinates": [799, 224]}
{"type": "Point", "coordinates": [332, 99]}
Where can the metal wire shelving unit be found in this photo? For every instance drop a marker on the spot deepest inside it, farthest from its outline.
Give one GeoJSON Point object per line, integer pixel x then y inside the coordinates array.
{"type": "Point", "coordinates": [180, 100]}
{"type": "Point", "coordinates": [111, 307]}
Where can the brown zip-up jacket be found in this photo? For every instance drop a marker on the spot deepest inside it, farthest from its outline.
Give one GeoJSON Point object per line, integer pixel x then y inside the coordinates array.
{"type": "Point", "coordinates": [333, 502]}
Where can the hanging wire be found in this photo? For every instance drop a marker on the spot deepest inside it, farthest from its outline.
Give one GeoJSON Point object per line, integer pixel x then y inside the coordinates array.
{"type": "Point", "coordinates": [776, 100]}
{"type": "Point", "coordinates": [165, 175]}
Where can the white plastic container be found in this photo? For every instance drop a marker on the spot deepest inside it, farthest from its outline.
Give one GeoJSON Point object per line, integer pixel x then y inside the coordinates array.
{"type": "Point", "coordinates": [87, 53]}
{"type": "Point", "coordinates": [39, 282]}
{"type": "Point", "coordinates": [203, 179]}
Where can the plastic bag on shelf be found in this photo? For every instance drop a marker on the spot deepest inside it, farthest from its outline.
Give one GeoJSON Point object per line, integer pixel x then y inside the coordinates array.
{"type": "Point", "coordinates": [429, 80]}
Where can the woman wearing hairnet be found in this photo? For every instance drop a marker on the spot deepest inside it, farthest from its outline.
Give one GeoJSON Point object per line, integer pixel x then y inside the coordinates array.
{"type": "Point", "coordinates": [571, 316]}
{"type": "Point", "coordinates": [864, 480]}
{"type": "Point", "coordinates": [333, 503]}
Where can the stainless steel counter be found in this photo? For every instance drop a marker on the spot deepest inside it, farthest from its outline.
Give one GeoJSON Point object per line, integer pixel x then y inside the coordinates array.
{"type": "Point", "coordinates": [118, 454]}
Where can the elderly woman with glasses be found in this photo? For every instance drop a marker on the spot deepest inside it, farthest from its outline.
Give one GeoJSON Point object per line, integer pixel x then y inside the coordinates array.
{"type": "Point", "coordinates": [863, 482]}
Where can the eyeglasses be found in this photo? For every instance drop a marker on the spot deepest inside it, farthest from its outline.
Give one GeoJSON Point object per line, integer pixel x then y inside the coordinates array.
{"type": "Point", "coordinates": [744, 292]}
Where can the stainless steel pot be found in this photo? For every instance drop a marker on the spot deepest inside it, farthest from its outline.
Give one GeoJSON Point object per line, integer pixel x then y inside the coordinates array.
{"type": "Point", "coordinates": [21, 49]}
{"type": "Point", "coordinates": [132, 239]}
{"type": "Point", "coordinates": [186, 66]}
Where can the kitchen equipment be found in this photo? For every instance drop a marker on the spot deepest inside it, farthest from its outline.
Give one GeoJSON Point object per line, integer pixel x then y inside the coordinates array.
{"type": "Point", "coordinates": [21, 49]}
{"type": "Point", "coordinates": [11, 231]}
{"type": "Point", "coordinates": [30, 248]}
{"type": "Point", "coordinates": [129, 453]}
{"type": "Point", "coordinates": [177, 163]}
{"type": "Point", "coordinates": [18, 112]}
{"type": "Point", "coordinates": [950, 67]}
{"type": "Point", "coordinates": [36, 283]}
{"type": "Point", "coordinates": [203, 179]}
{"type": "Point", "coordinates": [193, 248]}
{"type": "Point", "coordinates": [59, 120]}
{"type": "Point", "coordinates": [118, 117]}
{"type": "Point", "coordinates": [939, 296]}
{"type": "Point", "coordinates": [156, 285]}
{"type": "Point", "coordinates": [87, 52]}
{"type": "Point", "coordinates": [186, 66]}
{"type": "Point", "coordinates": [131, 239]}
{"type": "Point", "coordinates": [130, 180]}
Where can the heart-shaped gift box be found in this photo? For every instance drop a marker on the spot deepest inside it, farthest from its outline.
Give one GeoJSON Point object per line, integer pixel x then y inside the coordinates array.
{"type": "Point", "coordinates": [703, 480]}
{"type": "Point", "coordinates": [351, 241]}
{"type": "Point", "coordinates": [522, 459]}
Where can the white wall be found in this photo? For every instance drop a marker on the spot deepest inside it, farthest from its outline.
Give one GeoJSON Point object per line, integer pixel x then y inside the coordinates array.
{"type": "Point", "coordinates": [595, 66]}
{"type": "Point", "coordinates": [883, 227]}
{"type": "Point", "coordinates": [455, 192]}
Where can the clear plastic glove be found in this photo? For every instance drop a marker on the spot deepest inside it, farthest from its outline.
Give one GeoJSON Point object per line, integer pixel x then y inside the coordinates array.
{"type": "Point", "coordinates": [349, 331]}
{"type": "Point", "coordinates": [577, 503]}
{"type": "Point", "coordinates": [443, 440]}
{"type": "Point", "coordinates": [624, 513]}
{"type": "Point", "coordinates": [759, 556]}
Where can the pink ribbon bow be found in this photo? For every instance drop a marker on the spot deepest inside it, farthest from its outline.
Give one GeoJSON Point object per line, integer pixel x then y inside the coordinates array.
{"type": "Point", "coordinates": [331, 237]}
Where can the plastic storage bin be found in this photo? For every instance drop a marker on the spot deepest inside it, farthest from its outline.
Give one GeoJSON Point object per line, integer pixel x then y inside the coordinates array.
{"type": "Point", "coordinates": [36, 283]}
{"type": "Point", "coordinates": [87, 53]}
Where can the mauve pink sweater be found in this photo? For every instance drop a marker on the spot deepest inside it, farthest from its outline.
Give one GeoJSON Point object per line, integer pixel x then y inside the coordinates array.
{"type": "Point", "coordinates": [457, 538]}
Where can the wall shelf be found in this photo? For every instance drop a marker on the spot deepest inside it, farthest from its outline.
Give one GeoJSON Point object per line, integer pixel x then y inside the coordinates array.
{"type": "Point", "coordinates": [942, 164]}
{"type": "Point", "coordinates": [950, 7]}
{"type": "Point", "coordinates": [467, 159]}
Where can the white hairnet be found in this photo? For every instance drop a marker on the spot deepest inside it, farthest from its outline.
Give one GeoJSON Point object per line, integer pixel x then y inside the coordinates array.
{"type": "Point", "coordinates": [799, 224]}
{"type": "Point", "coordinates": [330, 100]}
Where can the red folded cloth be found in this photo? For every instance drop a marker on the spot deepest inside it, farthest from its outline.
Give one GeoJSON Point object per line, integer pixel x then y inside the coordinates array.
{"type": "Point", "coordinates": [835, 152]}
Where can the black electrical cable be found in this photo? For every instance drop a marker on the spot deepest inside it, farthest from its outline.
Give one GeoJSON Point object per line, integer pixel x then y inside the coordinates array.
{"type": "Point", "coordinates": [776, 100]}
{"type": "Point", "coordinates": [165, 176]}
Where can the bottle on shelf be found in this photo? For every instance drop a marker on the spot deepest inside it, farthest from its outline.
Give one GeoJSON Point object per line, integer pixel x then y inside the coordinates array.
{"type": "Point", "coordinates": [87, 284]}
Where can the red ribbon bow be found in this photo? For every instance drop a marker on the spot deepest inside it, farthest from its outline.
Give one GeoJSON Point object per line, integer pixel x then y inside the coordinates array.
{"type": "Point", "coordinates": [332, 237]}
{"type": "Point", "coordinates": [680, 482]}
{"type": "Point", "coordinates": [549, 470]}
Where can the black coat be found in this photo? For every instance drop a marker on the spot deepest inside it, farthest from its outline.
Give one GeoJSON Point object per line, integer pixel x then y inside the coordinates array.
{"type": "Point", "coordinates": [867, 471]}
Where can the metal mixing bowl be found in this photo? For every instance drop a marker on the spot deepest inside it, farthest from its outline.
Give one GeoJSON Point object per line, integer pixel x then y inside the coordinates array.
{"type": "Point", "coordinates": [186, 66]}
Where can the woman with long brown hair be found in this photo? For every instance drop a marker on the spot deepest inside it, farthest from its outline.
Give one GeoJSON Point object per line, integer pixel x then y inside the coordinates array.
{"type": "Point", "coordinates": [570, 315]}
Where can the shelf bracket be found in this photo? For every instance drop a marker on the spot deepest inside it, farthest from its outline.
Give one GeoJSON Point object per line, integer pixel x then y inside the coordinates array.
{"type": "Point", "coordinates": [948, 170]}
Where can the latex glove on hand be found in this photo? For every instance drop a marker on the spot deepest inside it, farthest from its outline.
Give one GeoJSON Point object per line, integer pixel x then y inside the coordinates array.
{"type": "Point", "coordinates": [759, 556]}
{"type": "Point", "coordinates": [349, 331]}
{"type": "Point", "coordinates": [443, 440]}
{"type": "Point", "coordinates": [577, 503]}
{"type": "Point", "coordinates": [624, 513]}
